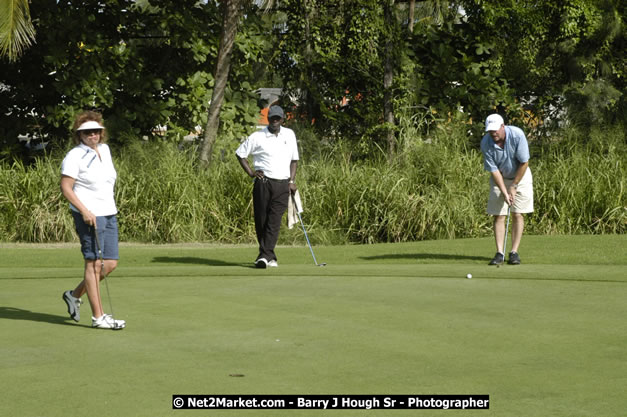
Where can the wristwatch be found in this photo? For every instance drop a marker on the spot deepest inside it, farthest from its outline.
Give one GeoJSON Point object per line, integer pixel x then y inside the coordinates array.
{"type": "Point", "coordinates": [292, 182]}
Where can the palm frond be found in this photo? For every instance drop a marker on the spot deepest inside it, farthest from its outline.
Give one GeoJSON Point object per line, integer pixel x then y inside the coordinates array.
{"type": "Point", "coordinates": [265, 5]}
{"type": "Point", "coordinates": [16, 29]}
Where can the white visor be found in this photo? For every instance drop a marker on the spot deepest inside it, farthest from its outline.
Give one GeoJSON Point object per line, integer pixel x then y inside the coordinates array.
{"type": "Point", "coordinates": [90, 125]}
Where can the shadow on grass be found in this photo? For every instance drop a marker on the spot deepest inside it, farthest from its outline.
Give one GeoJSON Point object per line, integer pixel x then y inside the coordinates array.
{"type": "Point", "coordinates": [198, 261]}
{"type": "Point", "coordinates": [12, 313]}
{"type": "Point", "coordinates": [425, 256]}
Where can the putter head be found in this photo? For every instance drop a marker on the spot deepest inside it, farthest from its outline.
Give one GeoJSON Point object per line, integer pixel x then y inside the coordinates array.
{"type": "Point", "coordinates": [322, 264]}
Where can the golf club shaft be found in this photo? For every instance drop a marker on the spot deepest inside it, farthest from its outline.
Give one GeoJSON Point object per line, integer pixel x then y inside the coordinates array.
{"type": "Point", "coordinates": [307, 237]}
{"type": "Point", "coordinates": [102, 269]}
{"type": "Point", "coordinates": [304, 231]}
{"type": "Point", "coordinates": [506, 229]}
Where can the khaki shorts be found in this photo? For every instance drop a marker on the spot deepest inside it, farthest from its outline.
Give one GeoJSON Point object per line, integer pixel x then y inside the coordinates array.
{"type": "Point", "coordinates": [523, 201]}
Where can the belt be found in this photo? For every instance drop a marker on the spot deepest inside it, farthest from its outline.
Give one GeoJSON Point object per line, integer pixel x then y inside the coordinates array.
{"type": "Point", "coordinates": [275, 180]}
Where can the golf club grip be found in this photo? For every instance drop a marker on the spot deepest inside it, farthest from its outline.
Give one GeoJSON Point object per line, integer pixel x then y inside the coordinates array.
{"type": "Point", "coordinates": [98, 247]}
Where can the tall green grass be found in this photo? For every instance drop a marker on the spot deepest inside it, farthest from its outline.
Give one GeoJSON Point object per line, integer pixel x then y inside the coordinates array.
{"type": "Point", "coordinates": [163, 196]}
{"type": "Point", "coordinates": [432, 190]}
{"type": "Point", "coordinates": [580, 187]}
{"type": "Point", "coordinates": [31, 209]}
{"type": "Point", "coordinates": [435, 188]}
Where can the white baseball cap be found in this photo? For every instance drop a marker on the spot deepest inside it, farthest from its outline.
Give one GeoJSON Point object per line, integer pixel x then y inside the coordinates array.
{"type": "Point", "coordinates": [90, 125]}
{"type": "Point", "coordinates": [493, 122]}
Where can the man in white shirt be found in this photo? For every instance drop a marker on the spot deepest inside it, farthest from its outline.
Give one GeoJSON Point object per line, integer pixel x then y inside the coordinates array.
{"type": "Point", "coordinates": [275, 160]}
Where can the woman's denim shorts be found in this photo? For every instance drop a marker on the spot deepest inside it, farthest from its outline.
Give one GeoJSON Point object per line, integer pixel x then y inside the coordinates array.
{"type": "Point", "coordinates": [107, 237]}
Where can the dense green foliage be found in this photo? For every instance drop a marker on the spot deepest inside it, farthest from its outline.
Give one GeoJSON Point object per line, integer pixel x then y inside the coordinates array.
{"type": "Point", "coordinates": [435, 189]}
{"type": "Point", "coordinates": [151, 62]}
{"type": "Point", "coordinates": [555, 69]}
{"type": "Point", "coordinates": [565, 60]}
{"type": "Point", "coordinates": [143, 66]}
{"type": "Point", "coordinates": [541, 64]}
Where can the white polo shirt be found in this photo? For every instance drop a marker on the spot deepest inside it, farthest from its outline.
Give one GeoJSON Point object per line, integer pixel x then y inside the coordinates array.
{"type": "Point", "coordinates": [271, 153]}
{"type": "Point", "coordinates": [95, 178]}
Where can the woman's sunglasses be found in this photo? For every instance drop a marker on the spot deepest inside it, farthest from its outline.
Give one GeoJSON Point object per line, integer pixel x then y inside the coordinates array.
{"type": "Point", "coordinates": [88, 132]}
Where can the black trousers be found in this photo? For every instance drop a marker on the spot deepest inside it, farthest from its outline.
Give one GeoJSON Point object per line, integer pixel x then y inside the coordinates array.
{"type": "Point", "coordinates": [270, 199]}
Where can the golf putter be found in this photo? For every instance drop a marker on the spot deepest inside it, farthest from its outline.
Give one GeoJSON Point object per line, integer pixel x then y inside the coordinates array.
{"type": "Point", "coordinates": [305, 232]}
{"type": "Point", "coordinates": [506, 229]}
{"type": "Point", "coordinates": [102, 268]}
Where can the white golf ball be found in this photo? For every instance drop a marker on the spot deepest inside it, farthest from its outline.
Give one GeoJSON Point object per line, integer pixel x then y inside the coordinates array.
{"type": "Point", "coordinates": [468, 276]}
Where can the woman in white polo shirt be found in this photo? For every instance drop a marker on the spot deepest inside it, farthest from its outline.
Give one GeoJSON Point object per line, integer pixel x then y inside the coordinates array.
{"type": "Point", "coordinates": [87, 180]}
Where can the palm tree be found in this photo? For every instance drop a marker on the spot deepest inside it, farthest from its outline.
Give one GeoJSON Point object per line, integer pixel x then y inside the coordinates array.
{"type": "Point", "coordinates": [16, 29]}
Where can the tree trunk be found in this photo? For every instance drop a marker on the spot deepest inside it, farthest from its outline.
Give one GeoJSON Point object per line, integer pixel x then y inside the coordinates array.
{"type": "Point", "coordinates": [412, 7]}
{"type": "Point", "coordinates": [231, 12]}
{"type": "Point", "coordinates": [310, 101]}
{"type": "Point", "coordinates": [388, 76]}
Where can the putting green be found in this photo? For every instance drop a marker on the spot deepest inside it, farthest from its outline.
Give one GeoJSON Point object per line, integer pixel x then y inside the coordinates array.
{"type": "Point", "coordinates": [544, 338]}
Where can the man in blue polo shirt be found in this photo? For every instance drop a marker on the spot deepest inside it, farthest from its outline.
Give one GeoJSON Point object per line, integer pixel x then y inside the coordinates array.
{"type": "Point", "coordinates": [506, 157]}
{"type": "Point", "coordinates": [275, 159]}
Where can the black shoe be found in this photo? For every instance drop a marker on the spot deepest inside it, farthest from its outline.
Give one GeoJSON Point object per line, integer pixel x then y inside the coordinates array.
{"type": "Point", "coordinates": [498, 259]}
{"type": "Point", "coordinates": [514, 259]}
{"type": "Point", "coordinates": [261, 263]}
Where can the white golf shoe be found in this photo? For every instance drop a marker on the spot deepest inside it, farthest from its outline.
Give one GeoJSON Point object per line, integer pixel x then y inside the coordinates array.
{"type": "Point", "coordinates": [107, 322]}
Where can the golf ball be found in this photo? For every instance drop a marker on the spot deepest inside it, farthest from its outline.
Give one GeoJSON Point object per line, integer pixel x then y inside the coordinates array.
{"type": "Point", "coordinates": [468, 276]}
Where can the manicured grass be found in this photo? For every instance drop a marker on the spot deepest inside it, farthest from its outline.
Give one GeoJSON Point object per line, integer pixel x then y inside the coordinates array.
{"type": "Point", "coordinates": [544, 338]}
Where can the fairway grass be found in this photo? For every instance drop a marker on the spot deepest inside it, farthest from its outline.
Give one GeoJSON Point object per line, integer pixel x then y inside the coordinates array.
{"type": "Point", "coordinates": [545, 338]}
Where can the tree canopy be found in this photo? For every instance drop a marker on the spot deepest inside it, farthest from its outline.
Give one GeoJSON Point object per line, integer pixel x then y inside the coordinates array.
{"type": "Point", "coordinates": [152, 63]}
